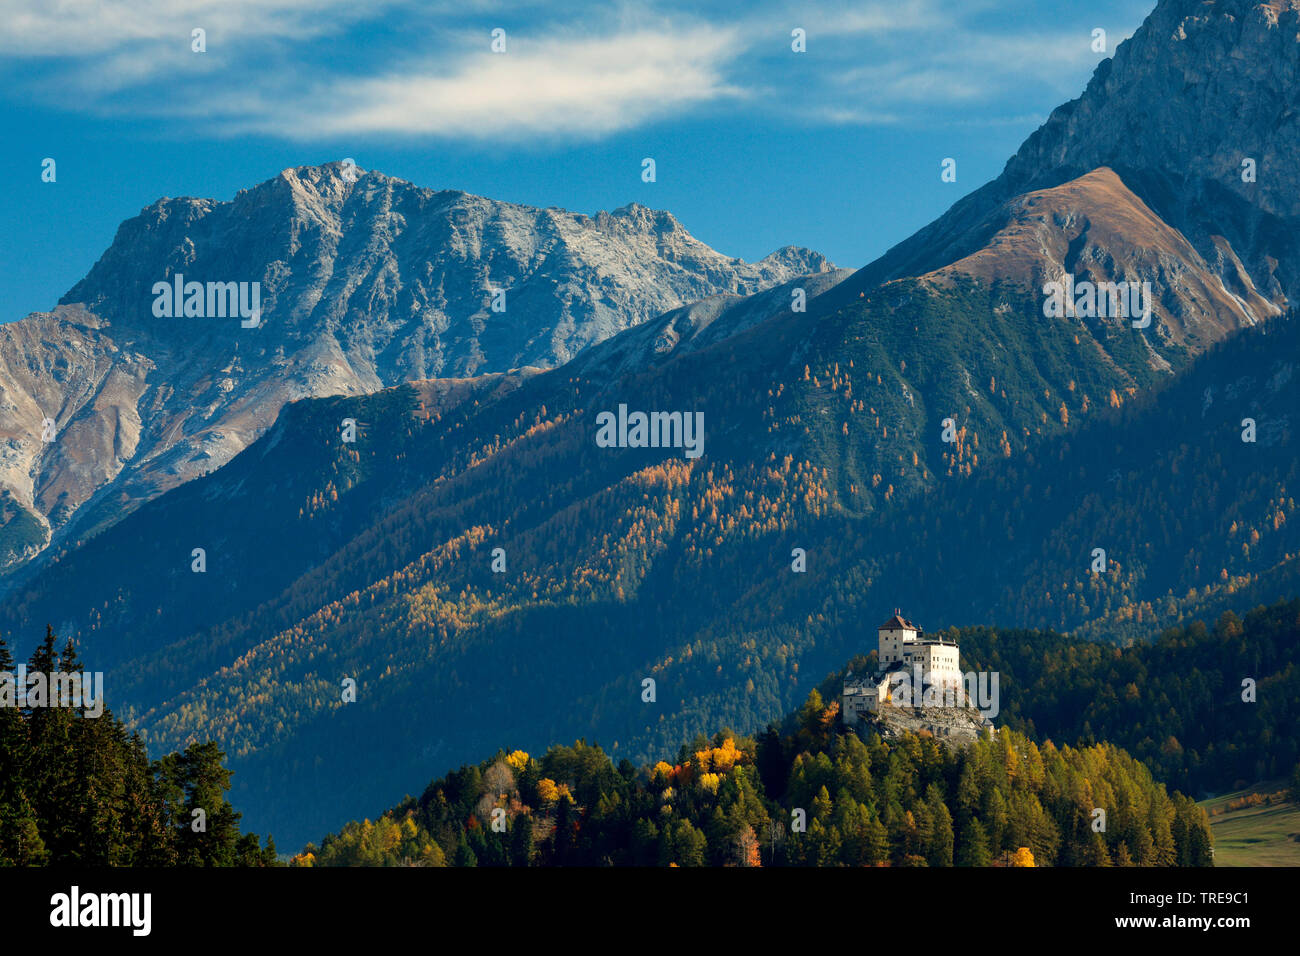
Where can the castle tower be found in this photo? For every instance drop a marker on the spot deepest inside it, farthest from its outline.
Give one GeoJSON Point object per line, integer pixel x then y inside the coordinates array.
{"type": "Point", "coordinates": [892, 635]}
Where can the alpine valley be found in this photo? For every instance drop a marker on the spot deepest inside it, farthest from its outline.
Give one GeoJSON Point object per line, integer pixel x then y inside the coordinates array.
{"type": "Point", "coordinates": [915, 433]}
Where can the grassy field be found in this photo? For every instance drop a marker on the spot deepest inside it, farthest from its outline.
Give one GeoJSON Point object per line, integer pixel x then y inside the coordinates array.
{"type": "Point", "coordinates": [1257, 835]}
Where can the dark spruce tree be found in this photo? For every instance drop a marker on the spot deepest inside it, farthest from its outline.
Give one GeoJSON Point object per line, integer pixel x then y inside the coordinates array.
{"type": "Point", "coordinates": [77, 789]}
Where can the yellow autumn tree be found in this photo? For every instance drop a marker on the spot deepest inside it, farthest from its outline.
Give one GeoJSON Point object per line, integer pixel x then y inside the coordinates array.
{"type": "Point", "coordinates": [725, 757]}
{"type": "Point", "coordinates": [547, 790]}
{"type": "Point", "coordinates": [1022, 857]}
{"type": "Point", "coordinates": [518, 760]}
{"type": "Point", "coordinates": [719, 759]}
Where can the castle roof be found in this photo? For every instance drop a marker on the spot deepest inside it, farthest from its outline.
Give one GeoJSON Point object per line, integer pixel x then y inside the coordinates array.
{"type": "Point", "coordinates": [897, 622]}
{"type": "Point", "coordinates": [856, 682]}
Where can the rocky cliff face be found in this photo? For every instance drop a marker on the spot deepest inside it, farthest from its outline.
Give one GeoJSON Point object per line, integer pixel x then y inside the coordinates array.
{"type": "Point", "coordinates": [381, 278]}
{"type": "Point", "coordinates": [954, 726]}
{"type": "Point", "coordinates": [1202, 87]}
{"type": "Point", "coordinates": [364, 281]}
{"type": "Point", "coordinates": [1198, 113]}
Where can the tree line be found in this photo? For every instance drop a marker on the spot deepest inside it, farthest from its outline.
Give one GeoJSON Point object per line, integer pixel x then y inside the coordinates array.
{"type": "Point", "coordinates": [76, 789]}
{"type": "Point", "coordinates": [813, 794]}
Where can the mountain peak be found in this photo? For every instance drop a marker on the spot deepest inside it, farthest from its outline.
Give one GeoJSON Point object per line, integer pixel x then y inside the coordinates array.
{"type": "Point", "coordinates": [326, 176]}
{"type": "Point", "coordinates": [643, 218]}
{"type": "Point", "coordinates": [1196, 116]}
{"type": "Point", "coordinates": [361, 281]}
{"type": "Point", "coordinates": [1199, 88]}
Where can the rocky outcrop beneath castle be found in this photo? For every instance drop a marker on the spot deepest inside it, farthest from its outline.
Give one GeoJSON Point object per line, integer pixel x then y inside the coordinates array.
{"type": "Point", "coordinates": [957, 726]}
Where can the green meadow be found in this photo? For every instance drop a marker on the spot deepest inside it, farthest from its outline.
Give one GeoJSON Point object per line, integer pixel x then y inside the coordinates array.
{"type": "Point", "coordinates": [1264, 834]}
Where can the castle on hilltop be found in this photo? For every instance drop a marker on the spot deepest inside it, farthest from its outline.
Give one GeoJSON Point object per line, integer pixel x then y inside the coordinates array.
{"type": "Point", "coordinates": [908, 658]}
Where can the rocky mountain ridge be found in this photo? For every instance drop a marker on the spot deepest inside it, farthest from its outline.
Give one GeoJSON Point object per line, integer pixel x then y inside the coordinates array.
{"type": "Point", "coordinates": [1197, 115]}
{"type": "Point", "coordinates": [364, 281]}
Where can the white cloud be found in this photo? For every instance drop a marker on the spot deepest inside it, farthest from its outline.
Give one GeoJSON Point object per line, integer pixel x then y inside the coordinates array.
{"type": "Point", "coordinates": [558, 85]}
{"type": "Point", "coordinates": [957, 68]}
{"type": "Point", "coordinates": [843, 116]}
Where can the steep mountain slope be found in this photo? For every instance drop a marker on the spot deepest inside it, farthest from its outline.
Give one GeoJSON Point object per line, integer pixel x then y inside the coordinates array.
{"type": "Point", "coordinates": [697, 325]}
{"type": "Point", "coordinates": [1095, 229]}
{"type": "Point", "coordinates": [364, 281]}
{"type": "Point", "coordinates": [1202, 86]}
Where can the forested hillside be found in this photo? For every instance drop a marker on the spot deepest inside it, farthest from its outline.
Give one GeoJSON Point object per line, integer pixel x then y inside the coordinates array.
{"type": "Point", "coordinates": [1176, 703]}
{"type": "Point", "coordinates": [373, 560]}
{"type": "Point", "coordinates": [736, 801]}
{"type": "Point", "coordinates": [1208, 709]}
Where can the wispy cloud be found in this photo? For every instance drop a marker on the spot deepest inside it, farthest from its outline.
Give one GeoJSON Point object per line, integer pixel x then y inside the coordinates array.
{"type": "Point", "coordinates": [85, 51]}
{"type": "Point", "coordinates": [75, 29]}
{"type": "Point", "coordinates": [557, 85]}
{"type": "Point", "coordinates": [968, 67]}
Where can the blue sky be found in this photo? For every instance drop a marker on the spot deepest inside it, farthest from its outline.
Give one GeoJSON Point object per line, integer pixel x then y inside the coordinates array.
{"type": "Point", "coordinates": [756, 146]}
